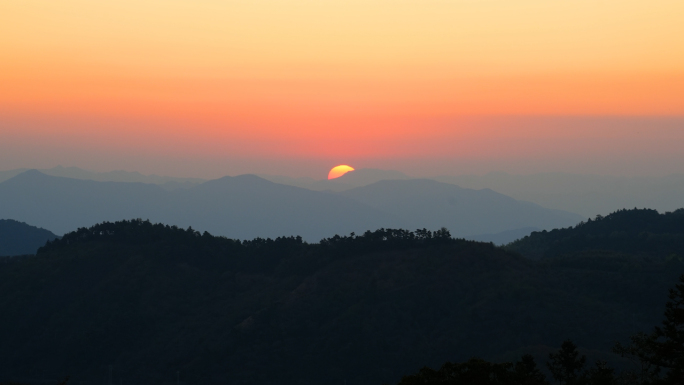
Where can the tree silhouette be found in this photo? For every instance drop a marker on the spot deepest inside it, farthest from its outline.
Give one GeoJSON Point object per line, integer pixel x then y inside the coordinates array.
{"type": "Point", "coordinates": [664, 347]}
{"type": "Point", "coordinates": [600, 374]}
{"type": "Point", "coordinates": [566, 365]}
{"type": "Point", "coordinates": [527, 372]}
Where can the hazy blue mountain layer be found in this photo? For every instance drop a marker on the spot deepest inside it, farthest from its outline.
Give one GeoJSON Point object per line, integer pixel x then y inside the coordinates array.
{"type": "Point", "coordinates": [18, 238]}
{"type": "Point", "coordinates": [240, 207]}
{"type": "Point", "coordinates": [109, 176]}
{"type": "Point", "coordinates": [153, 300]}
{"type": "Point", "coordinates": [247, 206]}
{"type": "Point", "coordinates": [587, 195]}
{"type": "Point", "coordinates": [356, 178]}
{"type": "Point", "coordinates": [423, 203]}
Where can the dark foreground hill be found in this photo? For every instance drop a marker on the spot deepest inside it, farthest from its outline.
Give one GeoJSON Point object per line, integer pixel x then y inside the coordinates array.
{"type": "Point", "coordinates": [636, 232]}
{"type": "Point", "coordinates": [159, 303]}
{"type": "Point", "coordinates": [17, 238]}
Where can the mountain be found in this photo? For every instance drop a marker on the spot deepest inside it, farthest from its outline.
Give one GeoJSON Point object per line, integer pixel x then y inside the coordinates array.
{"type": "Point", "coordinates": [352, 179]}
{"type": "Point", "coordinates": [366, 176]}
{"type": "Point", "coordinates": [63, 204]}
{"type": "Point", "coordinates": [586, 195]}
{"type": "Point", "coordinates": [636, 232]}
{"type": "Point", "coordinates": [8, 174]}
{"type": "Point", "coordinates": [423, 203]}
{"type": "Point", "coordinates": [240, 207]}
{"type": "Point", "coordinates": [18, 238]}
{"type": "Point", "coordinates": [150, 301]}
{"type": "Point", "coordinates": [110, 176]}
{"type": "Point", "coordinates": [247, 206]}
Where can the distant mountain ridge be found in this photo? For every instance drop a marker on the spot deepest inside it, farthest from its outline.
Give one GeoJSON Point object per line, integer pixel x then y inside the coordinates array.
{"type": "Point", "coordinates": [109, 176]}
{"type": "Point", "coordinates": [586, 195]}
{"type": "Point", "coordinates": [424, 203]}
{"type": "Point", "coordinates": [352, 179]}
{"type": "Point", "coordinates": [18, 238]}
{"type": "Point", "coordinates": [247, 206]}
{"type": "Point", "coordinates": [240, 207]}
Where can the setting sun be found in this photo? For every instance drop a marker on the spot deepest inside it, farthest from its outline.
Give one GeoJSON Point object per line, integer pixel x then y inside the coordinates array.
{"type": "Point", "coordinates": [338, 171]}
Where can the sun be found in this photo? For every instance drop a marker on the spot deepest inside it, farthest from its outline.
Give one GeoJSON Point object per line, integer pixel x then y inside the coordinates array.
{"type": "Point", "coordinates": [338, 171]}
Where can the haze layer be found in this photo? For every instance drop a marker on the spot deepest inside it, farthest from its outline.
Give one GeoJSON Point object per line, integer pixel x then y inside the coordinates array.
{"type": "Point", "coordinates": [213, 81]}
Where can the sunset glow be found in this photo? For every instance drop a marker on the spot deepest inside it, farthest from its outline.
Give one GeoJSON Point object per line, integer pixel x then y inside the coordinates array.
{"type": "Point", "coordinates": [209, 80]}
{"type": "Point", "coordinates": [338, 171]}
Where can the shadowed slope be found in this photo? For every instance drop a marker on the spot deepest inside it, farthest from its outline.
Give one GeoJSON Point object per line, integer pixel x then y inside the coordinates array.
{"type": "Point", "coordinates": [18, 238]}
{"type": "Point", "coordinates": [637, 231]}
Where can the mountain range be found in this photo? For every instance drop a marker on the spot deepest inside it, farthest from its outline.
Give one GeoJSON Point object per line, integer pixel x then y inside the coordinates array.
{"type": "Point", "coordinates": [110, 176]}
{"type": "Point", "coordinates": [248, 206]}
{"type": "Point", "coordinates": [587, 195]}
{"type": "Point", "coordinates": [583, 194]}
{"type": "Point", "coordinates": [357, 178]}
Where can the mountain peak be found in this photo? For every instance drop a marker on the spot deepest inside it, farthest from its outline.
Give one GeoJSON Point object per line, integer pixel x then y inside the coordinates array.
{"type": "Point", "coordinates": [243, 180]}
{"type": "Point", "coordinates": [28, 175]}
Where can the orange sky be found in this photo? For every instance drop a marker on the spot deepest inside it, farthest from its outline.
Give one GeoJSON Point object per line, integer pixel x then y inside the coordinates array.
{"type": "Point", "coordinates": [330, 79]}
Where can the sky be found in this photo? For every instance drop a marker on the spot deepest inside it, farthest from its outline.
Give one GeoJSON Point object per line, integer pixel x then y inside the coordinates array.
{"type": "Point", "coordinates": [208, 88]}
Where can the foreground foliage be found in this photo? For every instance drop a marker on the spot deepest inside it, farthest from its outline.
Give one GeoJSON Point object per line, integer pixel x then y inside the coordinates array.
{"type": "Point", "coordinates": [636, 231]}
{"type": "Point", "coordinates": [660, 354]}
{"type": "Point", "coordinates": [160, 304]}
{"type": "Point", "coordinates": [658, 360]}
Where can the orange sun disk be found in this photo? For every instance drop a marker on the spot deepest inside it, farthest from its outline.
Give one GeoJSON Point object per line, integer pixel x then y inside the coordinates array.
{"type": "Point", "coordinates": [338, 171]}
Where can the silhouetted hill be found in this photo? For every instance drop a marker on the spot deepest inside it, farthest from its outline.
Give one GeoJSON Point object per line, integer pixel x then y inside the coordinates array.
{"type": "Point", "coordinates": [247, 206]}
{"type": "Point", "coordinates": [637, 232]}
{"type": "Point", "coordinates": [421, 203]}
{"type": "Point", "coordinates": [18, 238]}
{"type": "Point", "coordinates": [504, 237]}
{"type": "Point", "coordinates": [151, 300]}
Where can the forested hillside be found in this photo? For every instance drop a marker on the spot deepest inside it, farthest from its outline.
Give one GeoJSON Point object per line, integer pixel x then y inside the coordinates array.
{"type": "Point", "coordinates": [641, 232]}
{"type": "Point", "coordinates": [17, 238]}
{"type": "Point", "coordinates": [161, 304]}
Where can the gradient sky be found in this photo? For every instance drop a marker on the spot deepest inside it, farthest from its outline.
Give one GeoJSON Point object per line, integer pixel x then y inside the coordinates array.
{"type": "Point", "coordinates": [214, 87]}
